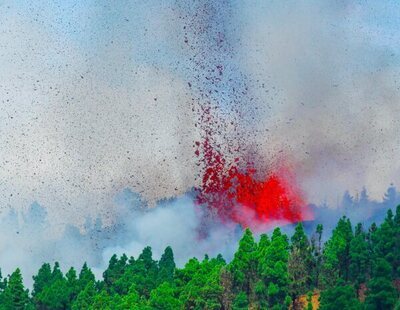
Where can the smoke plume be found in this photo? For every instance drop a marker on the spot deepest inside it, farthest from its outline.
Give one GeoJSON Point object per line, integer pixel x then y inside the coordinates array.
{"type": "Point", "coordinates": [103, 97]}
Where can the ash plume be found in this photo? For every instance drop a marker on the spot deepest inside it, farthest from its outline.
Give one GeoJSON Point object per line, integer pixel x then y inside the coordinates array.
{"type": "Point", "coordinates": [108, 96]}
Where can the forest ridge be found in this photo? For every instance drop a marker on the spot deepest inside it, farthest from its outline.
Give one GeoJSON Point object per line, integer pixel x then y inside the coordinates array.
{"type": "Point", "coordinates": [356, 268]}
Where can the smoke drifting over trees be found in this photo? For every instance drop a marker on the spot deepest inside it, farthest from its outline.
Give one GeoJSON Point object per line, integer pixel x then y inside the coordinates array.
{"type": "Point", "coordinates": [27, 239]}
{"type": "Point", "coordinates": [94, 104]}
{"type": "Point", "coordinates": [356, 268]}
{"type": "Point", "coordinates": [101, 99]}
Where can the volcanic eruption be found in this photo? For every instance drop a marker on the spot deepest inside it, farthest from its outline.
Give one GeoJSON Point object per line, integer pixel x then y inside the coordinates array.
{"type": "Point", "coordinates": [237, 195]}
{"type": "Point", "coordinates": [232, 186]}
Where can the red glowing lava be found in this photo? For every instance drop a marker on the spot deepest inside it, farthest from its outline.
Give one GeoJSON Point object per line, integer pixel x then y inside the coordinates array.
{"type": "Point", "coordinates": [235, 194]}
{"type": "Point", "coordinates": [227, 111]}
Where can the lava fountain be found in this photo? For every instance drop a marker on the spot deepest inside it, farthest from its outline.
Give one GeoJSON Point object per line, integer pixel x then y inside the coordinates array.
{"type": "Point", "coordinates": [231, 188]}
{"type": "Point", "coordinates": [235, 193]}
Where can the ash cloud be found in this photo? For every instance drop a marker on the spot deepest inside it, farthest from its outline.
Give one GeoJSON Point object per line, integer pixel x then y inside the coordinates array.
{"type": "Point", "coordinates": [26, 240]}
{"type": "Point", "coordinates": [98, 101]}
{"type": "Point", "coordinates": [330, 92]}
{"type": "Point", "coordinates": [79, 124]}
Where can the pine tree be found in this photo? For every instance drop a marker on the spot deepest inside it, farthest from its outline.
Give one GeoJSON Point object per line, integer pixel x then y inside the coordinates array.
{"type": "Point", "coordinates": [385, 241]}
{"type": "Point", "coordinates": [316, 249]}
{"type": "Point", "coordinates": [371, 241]}
{"type": "Point", "coordinates": [347, 201]}
{"type": "Point", "coordinates": [109, 274]}
{"type": "Point", "coordinates": [396, 245]}
{"type": "Point", "coordinates": [72, 283]}
{"type": "Point", "coordinates": [147, 280]}
{"type": "Point", "coordinates": [226, 280]}
{"type": "Point", "coordinates": [42, 279]}
{"type": "Point", "coordinates": [143, 272]}
{"type": "Point", "coordinates": [241, 302]}
{"type": "Point", "coordinates": [267, 275]}
{"type": "Point", "coordinates": [244, 266]}
{"type": "Point", "coordinates": [85, 297]}
{"type": "Point", "coordinates": [164, 298]}
{"type": "Point", "coordinates": [389, 198]}
{"type": "Point", "coordinates": [55, 296]}
{"type": "Point", "coordinates": [15, 296]}
{"type": "Point", "coordinates": [381, 293]}
{"type": "Point", "coordinates": [86, 276]}
{"type": "Point", "coordinates": [104, 301]}
{"type": "Point", "coordinates": [116, 268]}
{"type": "Point", "coordinates": [166, 266]}
{"type": "Point", "coordinates": [300, 264]}
{"type": "Point", "coordinates": [339, 297]}
{"type": "Point", "coordinates": [184, 275]}
{"type": "Point", "coordinates": [359, 257]}
{"type": "Point", "coordinates": [364, 199]}
{"type": "Point", "coordinates": [2, 283]}
{"type": "Point", "coordinates": [203, 290]}
{"type": "Point", "coordinates": [336, 254]}
{"type": "Point", "coordinates": [273, 270]}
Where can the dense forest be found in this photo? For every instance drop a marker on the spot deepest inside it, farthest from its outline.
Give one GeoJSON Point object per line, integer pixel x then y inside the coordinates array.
{"type": "Point", "coordinates": [356, 268]}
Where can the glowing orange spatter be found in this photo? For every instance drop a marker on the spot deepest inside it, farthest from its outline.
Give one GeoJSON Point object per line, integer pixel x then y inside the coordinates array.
{"type": "Point", "coordinates": [237, 195]}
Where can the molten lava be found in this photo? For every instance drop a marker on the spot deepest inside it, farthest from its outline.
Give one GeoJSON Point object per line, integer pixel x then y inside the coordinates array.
{"type": "Point", "coordinates": [235, 194]}
{"type": "Point", "coordinates": [225, 103]}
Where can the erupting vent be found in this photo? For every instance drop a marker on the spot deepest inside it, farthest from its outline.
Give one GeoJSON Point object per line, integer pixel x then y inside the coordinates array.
{"type": "Point", "coordinates": [236, 194]}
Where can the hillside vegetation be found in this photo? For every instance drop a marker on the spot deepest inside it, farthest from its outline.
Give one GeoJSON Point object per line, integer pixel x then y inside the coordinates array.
{"type": "Point", "coordinates": [356, 268]}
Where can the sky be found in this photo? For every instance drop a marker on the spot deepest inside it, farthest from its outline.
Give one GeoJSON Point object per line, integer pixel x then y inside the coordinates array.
{"type": "Point", "coordinates": [95, 96]}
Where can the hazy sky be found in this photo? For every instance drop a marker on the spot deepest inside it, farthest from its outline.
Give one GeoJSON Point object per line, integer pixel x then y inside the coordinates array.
{"type": "Point", "coordinates": [95, 97]}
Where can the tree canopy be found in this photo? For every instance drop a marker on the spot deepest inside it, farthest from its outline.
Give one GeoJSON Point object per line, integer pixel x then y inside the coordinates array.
{"type": "Point", "coordinates": [356, 268]}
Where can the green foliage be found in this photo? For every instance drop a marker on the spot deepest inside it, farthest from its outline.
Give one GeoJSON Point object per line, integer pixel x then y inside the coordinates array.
{"type": "Point", "coordinates": [54, 296]}
{"type": "Point", "coordinates": [42, 279]}
{"type": "Point", "coordinates": [244, 264]}
{"type": "Point", "coordinates": [164, 298]}
{"type": "Point", "coordinates": [115, 270]}
{"type": "Point", "coordinates": [166, 266]}
{"type": "Point", "coordinates": [14, 296]}
{"type": "Point", "coordinates": [336, 254]}
{"type": "Point", "coordinates": [359, 257]}
{"type": "Point", "coordinates": [309, 301]}
{"type": "Point", "coordinates": [339, 297]}
{"type": "Point", "coordinates": [241, 302]}
{"type": "Point", "coordinates": [105, 301]}
{"type": "Point", "coordinates": [381, 292]}
{"type": "Point", "coordinates": [143, 272]}
{"type": "Point", "coordinates": [132, 301]}
{"type": "Point", "coordinates": [85, 297]}
{"type": "Point", "coordinates": [86, 277]}
{"type": "Point", "coordinates": [396, 245]}
{"type": "Point", "coordinates": [273, 270]}
{"type": "Point", "coordinates": [316, 250]}
{"type": "Point", "coordinates": [301, 263]}
{"type": "Point", "coordinates": [203, 290]}
{"type": "Point", "coordinates": [271, 274]}
{"type": "Point", "coordinates": [53, 290]}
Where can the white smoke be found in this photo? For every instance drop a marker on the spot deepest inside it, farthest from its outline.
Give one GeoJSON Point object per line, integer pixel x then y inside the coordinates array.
{"type": "Point", "coordinates": [331, 93]}
{"type": "Point", "coordinates": [78, 128]}
{"type": "Point", "coordinates": [26, 240]}
{"type": "Point", "coordinates": [78, 125]}
{"type": "Point", "coordinates": [97, 103]}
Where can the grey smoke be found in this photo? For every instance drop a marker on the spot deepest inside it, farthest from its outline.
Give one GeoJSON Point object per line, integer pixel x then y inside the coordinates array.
{"type": "Point", "coordinates": [331, 95]}
{"type": "Point", "coordinates": [26, 241]}
{"type": "Point", "coordinates": [99, 103]}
